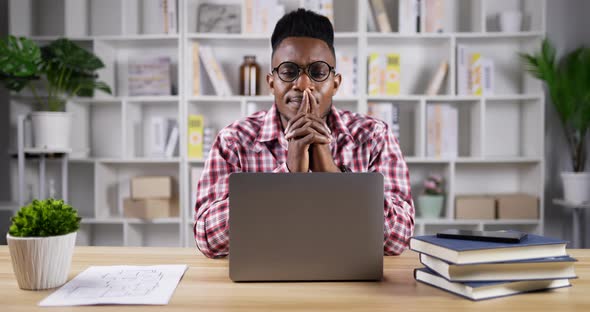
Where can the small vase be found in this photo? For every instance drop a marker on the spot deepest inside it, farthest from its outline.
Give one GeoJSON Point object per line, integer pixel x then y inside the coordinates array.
{"type": "Point", "coordinates": [51, 130]}
{"type": "Point", "coordinates": [430, 206]}
{"type": "Point", "coordinates": [41, 262]}
{"type": "Point", "coordinates": [576, 187]}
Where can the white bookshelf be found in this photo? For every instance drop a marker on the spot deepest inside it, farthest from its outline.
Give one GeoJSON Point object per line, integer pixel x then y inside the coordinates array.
{"type": "Point", "coordinates": [500, 137]}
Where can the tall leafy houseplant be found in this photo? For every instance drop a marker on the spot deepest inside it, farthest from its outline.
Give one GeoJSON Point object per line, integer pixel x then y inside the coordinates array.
{"type": "Point", "coordinates": [568, 85]}
{"type": "Point", "coordinates": [63, 68]}
{"type": "Point", "coordinates": [67, 69]}
{"type": "Point", "coordinates": [41, 241]}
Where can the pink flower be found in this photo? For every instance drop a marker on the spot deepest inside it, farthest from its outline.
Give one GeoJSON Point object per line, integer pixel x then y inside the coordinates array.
{"type": "Point", "coordinates": [429, 184]}
{"type": "Point", "coordinates": [437, 178]}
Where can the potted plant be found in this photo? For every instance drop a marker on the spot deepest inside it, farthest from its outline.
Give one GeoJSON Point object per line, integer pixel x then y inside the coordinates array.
{"type": "Point", "coordinates": [63, 69]}
{"type": "Point", "coordinates": [41, 241]}
{"type": "Point", "coordinates": [431, 202]}
{"type": "Point", "coordinates": [568, 84]}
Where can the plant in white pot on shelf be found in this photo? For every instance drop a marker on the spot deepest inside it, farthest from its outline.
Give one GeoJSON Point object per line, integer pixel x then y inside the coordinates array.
{"type": "Point", "coordinates": [431, 202]}
{"type": "Point", "coordinates": [568, 84]}
{"type": "Point", "coordinates": [52, 73]}
{"type": "Point", "coordinates": [41, 242]}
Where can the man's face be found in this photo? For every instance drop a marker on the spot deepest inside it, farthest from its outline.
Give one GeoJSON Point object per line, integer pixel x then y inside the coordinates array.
{"type": "Point", "coordinates": [288, 95]}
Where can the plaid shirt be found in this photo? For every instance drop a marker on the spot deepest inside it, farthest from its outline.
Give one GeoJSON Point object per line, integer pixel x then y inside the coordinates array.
{"type": "Point", "coordinates": [257, 144]}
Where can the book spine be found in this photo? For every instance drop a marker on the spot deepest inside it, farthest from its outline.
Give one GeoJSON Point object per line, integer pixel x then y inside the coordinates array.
{"type": "Point", "coordinates": [462, 70]}
{"type": "Point", "coordinates": [196, 70]}
{"type": "Point", "coordinates": [215, 72]}
{"type": "Point", "coordinates": [381, 16]}
{"type": "Point", "coordinates": [172, 142]}
{"type": "Point", "coordinates": [156, 137]}
{"type": "Point", "coordinates": [475, 73]}
{"type": "Point", "coordinates": [488, 76]}
{"type": "Point", "coordinates": [392, 74]}
{"type": "Point", "coordinates": [195, 136]}
{"type": "Point", "coordinates": [172, 17]}
{"type": "Point", "coordinates": [374, 73]}
{"type": "Point", "coordinates": [437, 80]}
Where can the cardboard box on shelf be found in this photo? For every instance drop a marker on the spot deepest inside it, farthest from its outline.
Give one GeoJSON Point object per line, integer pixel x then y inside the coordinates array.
{"type": "Point", "coordinates": [517, 206]}
{"type": "Point", "coordinates": [150, 187]}
{"type": "Point", "coordinates": [480, 207]}
{"type": "Point", "coordinates": [150, 208]}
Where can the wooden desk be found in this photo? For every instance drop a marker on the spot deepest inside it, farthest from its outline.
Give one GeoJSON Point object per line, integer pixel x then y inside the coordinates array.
{"type": "Point", "coordinates": [207, 287]}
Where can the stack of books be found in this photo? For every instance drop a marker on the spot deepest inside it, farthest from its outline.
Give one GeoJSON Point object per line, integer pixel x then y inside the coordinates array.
{"type": "Point", "coordinates": [482, 270]}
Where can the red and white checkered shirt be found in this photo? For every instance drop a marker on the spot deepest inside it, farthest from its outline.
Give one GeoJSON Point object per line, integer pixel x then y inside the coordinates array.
{"type": "Point", "coordinates": [257, 144]}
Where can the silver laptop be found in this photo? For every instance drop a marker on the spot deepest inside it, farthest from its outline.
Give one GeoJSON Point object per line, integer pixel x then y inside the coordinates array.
{"type": "Point", "coordinates": [306, 226]}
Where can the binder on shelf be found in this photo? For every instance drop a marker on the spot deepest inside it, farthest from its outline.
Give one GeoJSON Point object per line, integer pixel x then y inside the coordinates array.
{"type": "Point", "coordinates": [392, 74]}
{"type": "Point", "coordinates": [348, 69]}
{"type": "Point", "coordinates": [262, 15]}
{"type": "Point", "coordinates": [376, 70]}
{"type": "Point", "coordinates": [215, 72]}
{"type": "Point", "coordinates": [409, 16]}
{"type": "Point", "coordinates": [195, 136]}
{"type": "Point", "coordinates": [156, 136]}
{"type": "Point", "coordinates": [481, 74]}
{"type": "Point", "coordinates": [463, 69]}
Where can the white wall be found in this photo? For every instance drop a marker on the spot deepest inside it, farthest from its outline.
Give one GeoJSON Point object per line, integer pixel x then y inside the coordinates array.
{"type": "Point", "coordinates": [568, 27]}
{"type": "Point", "coordinates": [4, 117]}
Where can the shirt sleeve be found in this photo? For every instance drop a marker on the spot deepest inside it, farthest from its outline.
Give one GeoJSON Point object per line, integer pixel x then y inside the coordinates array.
{"type": "Point", "coordinates": [211, 227]}
{"type": "Point", "coordinates": [398, 209]}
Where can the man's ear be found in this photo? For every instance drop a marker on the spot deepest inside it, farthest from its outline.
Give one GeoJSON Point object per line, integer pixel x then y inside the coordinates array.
{"type": "Point", "coordinates": [270, 80]}
{"type": "Point", "coordinates": [336, 82]}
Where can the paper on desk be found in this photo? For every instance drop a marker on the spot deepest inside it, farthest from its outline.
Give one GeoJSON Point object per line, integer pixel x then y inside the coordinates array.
{"type": "Point", "coordinates": [120, 284]}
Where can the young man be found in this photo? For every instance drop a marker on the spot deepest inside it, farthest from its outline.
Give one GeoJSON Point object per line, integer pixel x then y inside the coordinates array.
{"type": "Point", "coordinates": [303, 132]}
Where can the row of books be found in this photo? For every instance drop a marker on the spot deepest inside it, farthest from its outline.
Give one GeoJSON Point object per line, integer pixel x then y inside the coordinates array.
{"type": "Point", "coordinates": [162, 137]}
{"type": "Point", "coordinates": [413, 16]}
{"type": "Point", "coordinates": [385, 75]}
{"type": "Point", "coordinates": [483, 270]}
{"type": "Point", "coordinates": [387, 112]}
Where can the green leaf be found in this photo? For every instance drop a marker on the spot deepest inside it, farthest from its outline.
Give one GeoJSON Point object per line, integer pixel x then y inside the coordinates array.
{"type": "Point", "coordinates": [20, 62]}
{"type": "Point", "coordinates": [43, 218]}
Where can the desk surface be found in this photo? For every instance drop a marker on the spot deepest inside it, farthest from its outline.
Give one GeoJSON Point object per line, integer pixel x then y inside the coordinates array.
{"type": "Point", "coordinates": [207, 287]}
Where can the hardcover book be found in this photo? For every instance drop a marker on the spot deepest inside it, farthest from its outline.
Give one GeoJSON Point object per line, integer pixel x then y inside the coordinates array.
{"type": "Point", "coordinates": [459, 251]}
{"type": "Point", "coordinates": [486, 290]}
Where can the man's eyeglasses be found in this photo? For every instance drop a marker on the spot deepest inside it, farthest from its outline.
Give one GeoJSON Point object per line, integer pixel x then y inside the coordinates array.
{"type": "Point", "coordinates": [318, 71]}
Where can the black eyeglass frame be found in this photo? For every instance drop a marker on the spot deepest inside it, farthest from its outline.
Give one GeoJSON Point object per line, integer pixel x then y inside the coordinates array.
{"type": "Point", "coordinates": [304, 69]}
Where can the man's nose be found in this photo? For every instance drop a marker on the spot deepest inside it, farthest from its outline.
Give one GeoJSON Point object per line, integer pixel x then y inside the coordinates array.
{"type": "Point", "coordinates": [303, 82]}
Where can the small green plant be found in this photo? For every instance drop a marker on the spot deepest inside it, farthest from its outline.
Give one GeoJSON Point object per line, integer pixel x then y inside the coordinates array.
{"type": "Point", "coordinates": [42, 218]}
{"type": "Point", "coordinates": [568, 84]}
{"type": "Point", "coordinates": [66, 68]}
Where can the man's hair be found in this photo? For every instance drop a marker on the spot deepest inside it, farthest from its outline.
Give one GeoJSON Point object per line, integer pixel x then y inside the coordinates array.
{"type": "Point", "coordinates": [303, 23]}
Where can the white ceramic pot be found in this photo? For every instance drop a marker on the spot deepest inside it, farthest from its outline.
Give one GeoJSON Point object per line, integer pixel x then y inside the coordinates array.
{"type": "Point", "coordinates": [510, 21]}
{"type": "Point", "coordinates": [51, 130]}
{"type": "Point", "coordinates": [41, 262]}
{"type": "Point", "coordinates": [576, 187]}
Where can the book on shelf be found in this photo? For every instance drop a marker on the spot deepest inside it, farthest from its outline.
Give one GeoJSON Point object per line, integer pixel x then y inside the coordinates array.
{"type": "Point", "coordinates": [196, 69]}
{"type": "Point", "coordinates": [380, 15]}
{"type": "Point", "coordinates": [195, 176]}
{"type": "Point", "coordinates": [438, 78]}
{"type": "Point", "coordinates": [409, 16]}
{"type": "Point", "coordinates": [171, 148]}
{"type": "Point", "coordinates": [442, 131]}
{"type": "Point", "coordinates": [475, 72]}
{"type": "Point", "coordinates": [535, 269]}
{"type": "Point", "coordinates": [322, 7]}
{"type": "Point", "coordinates": [214, 71]}
{"type": "Point", "coordinates": [195, 136]}
{"type": "Point", "coordinates": [159, 17]}
{"type": "Point", "coordinates": [371, 22]}
{"type": "Point", "coordinates": [432, 14]}
{"type": "Point", "coordinates": [387, 112]}
{"type": "Point", "coordinates": [261, 16]}
{"type": "Point", "coordinates": [209, 134]}
{"type": "Point", "coordinates": [469, 252]}
{"type": "Point", "coordinates": [156, 137]}
{"type": "Point", "coordinates": [486, 290]}
{"type": "Point", "coordinates": [384, 74]}
{"type": "Point", "coordinates": [347, 67]}
{"type": "Point", "coordinates": [149, 76]}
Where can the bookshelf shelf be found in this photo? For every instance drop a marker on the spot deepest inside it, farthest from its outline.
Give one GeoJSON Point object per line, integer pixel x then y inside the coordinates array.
{"type": "Point", "coordinates": [500, 144]}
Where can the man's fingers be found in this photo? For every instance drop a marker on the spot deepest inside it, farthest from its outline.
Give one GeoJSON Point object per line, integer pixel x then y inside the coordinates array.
{"type": "Point", "coordinates": [298, 132]}
{"type": "Point", "coordinates": [294, 120]}
{"type": "Point", "coordinates": [302, 108]}
{"type": "Point", "coordinates": [314, 104]}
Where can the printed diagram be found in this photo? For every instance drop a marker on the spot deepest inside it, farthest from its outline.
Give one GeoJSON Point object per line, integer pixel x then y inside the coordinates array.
{"type": "Point", "coordinates": [124, 283]}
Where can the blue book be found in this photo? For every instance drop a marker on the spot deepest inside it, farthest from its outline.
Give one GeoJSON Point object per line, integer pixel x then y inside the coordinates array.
{"type": "Point", "coordinates": [458, 251]}
{"type": "Point", "coordinates": [536, 269]}
{"type": "Point", "coordinates": [486, 290]}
